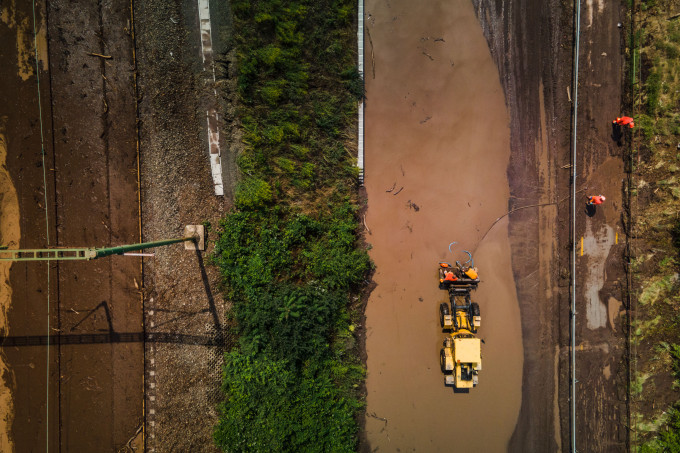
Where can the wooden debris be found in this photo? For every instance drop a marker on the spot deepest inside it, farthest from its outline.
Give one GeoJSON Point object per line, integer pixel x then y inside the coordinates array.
{"type": "Point", "coordinates": [106, 57]}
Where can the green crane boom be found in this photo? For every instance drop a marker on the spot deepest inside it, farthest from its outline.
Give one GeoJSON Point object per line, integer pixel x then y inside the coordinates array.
{"type": "Point", "coordinates": [81, 253]}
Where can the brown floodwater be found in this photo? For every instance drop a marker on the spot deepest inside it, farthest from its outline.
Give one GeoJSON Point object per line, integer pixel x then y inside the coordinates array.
{"type": "Point", "coordinates": [437, 148]}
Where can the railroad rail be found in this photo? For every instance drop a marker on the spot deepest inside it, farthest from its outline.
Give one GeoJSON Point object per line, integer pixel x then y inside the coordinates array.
{"type": "Point", "coordinates": [572, 309]}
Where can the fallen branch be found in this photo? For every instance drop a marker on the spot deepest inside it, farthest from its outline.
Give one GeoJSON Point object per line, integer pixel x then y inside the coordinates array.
{"type": "Point", "coordinates": [106, 57]}
{"type": "Point", "coordinates": [397, 192]}
{"type": "Point", "coordinates": [372, 414]}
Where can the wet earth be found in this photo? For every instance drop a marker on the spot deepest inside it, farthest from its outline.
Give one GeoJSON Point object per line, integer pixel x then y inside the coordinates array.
{"type": "Point", "coordinates": [460, 130]}
{"type": "Point", "coordinates": [531, 45]}
{"type": "Point", "coordinates": [438, 144]}
{"type": "Point", "coordinates": [83, 194]}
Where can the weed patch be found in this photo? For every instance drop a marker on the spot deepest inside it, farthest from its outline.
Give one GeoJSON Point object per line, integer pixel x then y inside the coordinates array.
{"type": "Point", "coordinates": [656, 45]}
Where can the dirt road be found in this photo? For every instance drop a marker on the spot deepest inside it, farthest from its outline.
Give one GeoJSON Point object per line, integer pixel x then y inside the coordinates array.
{"type": "Point", "coordinates": [601, 366]}
{"type": "Point", "coordinates": [437, 135]}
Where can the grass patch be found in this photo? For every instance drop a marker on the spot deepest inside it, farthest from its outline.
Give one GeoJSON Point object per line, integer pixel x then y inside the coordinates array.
{"type": "Point", "coordinates": [656, 326]}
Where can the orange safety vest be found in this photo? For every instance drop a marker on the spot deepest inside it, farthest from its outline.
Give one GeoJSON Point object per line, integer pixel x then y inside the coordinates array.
{"type": "Point", "coordinates": [449, 277]}
{"type": "Point", "coordinates": [625, 120]}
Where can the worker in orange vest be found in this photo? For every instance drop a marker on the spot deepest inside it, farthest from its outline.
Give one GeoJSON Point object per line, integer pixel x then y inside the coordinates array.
{"type": "Point", "coordinates": [625, 120]}
{"type": "Point", "coordinates": [595, 199]}
{"type": "Point", "coordinates": [450, 277]}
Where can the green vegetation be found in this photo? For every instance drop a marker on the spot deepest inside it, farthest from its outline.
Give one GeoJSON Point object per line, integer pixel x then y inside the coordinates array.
{"type": "Point", "coordinates": [655, 161]}
{"type": "Point", "coordinates": [289, 253]}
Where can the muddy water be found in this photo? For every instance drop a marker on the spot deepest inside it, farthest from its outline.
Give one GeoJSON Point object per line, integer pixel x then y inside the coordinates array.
{"type": "Point", "coordinates": [437, 149]}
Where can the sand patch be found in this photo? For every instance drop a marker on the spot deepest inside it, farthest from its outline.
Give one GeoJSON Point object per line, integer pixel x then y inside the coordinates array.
{"type": "Point", "coordinates": [613, 309]}
{"type": "Point", "coordinates": [26, 42]}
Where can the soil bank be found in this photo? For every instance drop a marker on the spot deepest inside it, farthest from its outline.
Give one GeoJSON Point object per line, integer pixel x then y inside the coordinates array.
{"type": "Point", "coordinates": [437, 135]}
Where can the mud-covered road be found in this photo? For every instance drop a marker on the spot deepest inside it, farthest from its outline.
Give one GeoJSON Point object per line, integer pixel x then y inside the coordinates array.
{"type": "Point", "coordinates": [81, 111]}
{"type": "Point", "coordinates": [134, 359]}
{"type": "Point", "coordinates": [467, 139]}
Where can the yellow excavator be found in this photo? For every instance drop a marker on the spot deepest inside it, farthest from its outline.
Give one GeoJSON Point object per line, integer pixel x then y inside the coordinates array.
{"type": "Point", "coordinates": [461, 355]}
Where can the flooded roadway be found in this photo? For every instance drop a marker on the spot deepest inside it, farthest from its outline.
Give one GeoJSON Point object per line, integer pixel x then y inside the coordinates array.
{"type": "Point", "coordinates": [437, 151]}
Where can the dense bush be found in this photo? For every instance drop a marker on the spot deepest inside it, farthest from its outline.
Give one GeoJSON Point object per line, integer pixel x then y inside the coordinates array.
{"type": "Point", "coordinates": [272, 408]}
{"type": "Point", "coordinates": [289, 253]}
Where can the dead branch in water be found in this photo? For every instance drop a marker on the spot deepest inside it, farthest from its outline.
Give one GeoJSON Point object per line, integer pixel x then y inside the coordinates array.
{"type": "Point", "coordinates": [370, 41]}
{"type": "Point", "coordinates": [366, 226]}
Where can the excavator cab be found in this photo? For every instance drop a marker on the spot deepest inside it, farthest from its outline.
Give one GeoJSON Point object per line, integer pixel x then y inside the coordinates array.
{"type": "Point", "coordinates": [464, 278]}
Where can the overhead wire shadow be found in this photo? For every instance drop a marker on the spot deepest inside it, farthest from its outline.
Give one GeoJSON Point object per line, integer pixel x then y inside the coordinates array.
{"type": "Point", "coordinates": [110, 338]}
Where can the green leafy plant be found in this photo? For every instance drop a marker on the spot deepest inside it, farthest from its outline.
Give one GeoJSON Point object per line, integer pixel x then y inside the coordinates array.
{"type": "Point", "coordinates": [289, 253]}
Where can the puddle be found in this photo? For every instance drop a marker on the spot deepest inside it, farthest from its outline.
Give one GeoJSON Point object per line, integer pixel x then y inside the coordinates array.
{"type": "Point", "coordinates": [437, 139]}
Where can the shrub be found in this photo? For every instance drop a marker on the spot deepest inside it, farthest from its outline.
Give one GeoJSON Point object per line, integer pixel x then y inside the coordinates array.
{"type": "Point", "coordinates": [653, 86]}
{"type": "Point", "coordinates": [271, 408]}
{"type": "Point", "coordinates": [252, 193]}
{"type": "Point", "coordinates": [288, 253]}
{"type": "Point", "coordinates": [295, 321]}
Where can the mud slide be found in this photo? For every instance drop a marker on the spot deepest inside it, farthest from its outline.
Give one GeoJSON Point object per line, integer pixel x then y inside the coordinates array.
{"type": "Point", "coordinates": [437, 151]}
